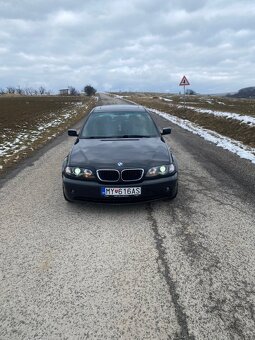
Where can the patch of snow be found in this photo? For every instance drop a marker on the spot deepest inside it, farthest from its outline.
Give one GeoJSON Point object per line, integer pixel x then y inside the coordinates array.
{"type": "Point", "coordinates": [249, 120]}
{"type": "Point", "coordinates": [166, 99]}
{"type": "Point", "coordinates": [193, 103]}
{"type": "Point", "coordinates": [203, 99]}
{"type": "Point", "coordinates": [221, 141]}
{"type": "Point", "coordinates": [119, 96]}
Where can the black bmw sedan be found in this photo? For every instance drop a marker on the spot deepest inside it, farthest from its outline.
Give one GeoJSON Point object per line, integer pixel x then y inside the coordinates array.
{"type": "Point", "coordinates": [119, 156]}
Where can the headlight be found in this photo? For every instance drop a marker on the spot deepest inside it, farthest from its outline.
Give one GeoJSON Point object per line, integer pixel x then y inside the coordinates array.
{"type": "Point", "coordinates": [78, 172]}
{"type": "Point", "coordinates": [161, 170]}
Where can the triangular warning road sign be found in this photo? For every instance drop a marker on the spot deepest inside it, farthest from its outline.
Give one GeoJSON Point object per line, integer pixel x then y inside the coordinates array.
{"type": "Point", "coordinates": [184, 81]}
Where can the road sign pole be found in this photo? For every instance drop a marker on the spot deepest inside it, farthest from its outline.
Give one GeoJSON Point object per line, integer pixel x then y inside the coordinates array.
{"type": "Point", "coordinates": [184, 97]}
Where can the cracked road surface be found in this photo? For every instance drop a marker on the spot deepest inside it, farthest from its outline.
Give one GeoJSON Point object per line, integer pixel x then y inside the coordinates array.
{"type": "Point", "coordinates": [181, 269]}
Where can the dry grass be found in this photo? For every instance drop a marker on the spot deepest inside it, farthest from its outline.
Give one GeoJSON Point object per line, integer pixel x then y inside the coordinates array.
{"type": "Point", "coordinates": [28, 123]}
{"type": "Point", "coordinates": [234, 105]}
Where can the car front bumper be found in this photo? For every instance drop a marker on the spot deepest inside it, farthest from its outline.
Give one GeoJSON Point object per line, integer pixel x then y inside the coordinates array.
{"type": "Point", "coordinates": [91, 190]}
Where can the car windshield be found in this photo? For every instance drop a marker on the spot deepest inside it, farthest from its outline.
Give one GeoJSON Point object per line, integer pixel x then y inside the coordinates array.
{"type": "Point", "coordinates": [119, 125]}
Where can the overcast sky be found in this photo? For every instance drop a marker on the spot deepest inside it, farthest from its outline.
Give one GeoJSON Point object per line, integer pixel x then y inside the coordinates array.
{"type": "Point", "coordinates": [128, 44]}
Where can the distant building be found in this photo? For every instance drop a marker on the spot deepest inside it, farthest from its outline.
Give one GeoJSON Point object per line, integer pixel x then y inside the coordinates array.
{"type": "Point", "coordinates": [64, 92]}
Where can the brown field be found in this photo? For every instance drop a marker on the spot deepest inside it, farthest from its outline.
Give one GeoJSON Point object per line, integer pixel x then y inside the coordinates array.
{"type": "Point", "coordinates": [235, 105]}
{"type": "Point", "coordinates": [227, 127]}
{"type": "Point", "coordinates": [27, 123]}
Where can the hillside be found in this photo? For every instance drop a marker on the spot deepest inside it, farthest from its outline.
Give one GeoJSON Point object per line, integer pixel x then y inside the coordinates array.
{"type": "Point", "coordinates": [247, 92]}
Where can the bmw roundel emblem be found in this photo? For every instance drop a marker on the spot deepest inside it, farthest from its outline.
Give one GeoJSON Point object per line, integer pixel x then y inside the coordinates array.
{"type": "Point", "coordinates": [120, 164]}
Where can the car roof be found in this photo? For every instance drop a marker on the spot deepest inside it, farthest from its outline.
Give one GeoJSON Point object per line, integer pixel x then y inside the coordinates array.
{"type": "Point", "coordinates": [118, 108]}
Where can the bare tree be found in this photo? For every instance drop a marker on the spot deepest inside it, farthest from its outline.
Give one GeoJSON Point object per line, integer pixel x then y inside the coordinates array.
{"type": "Point", "coordinates": [10, 89]}
{"type": "Point", "coordinates": [26, 90]}
{"type": "Point", "coordinates": [29, 91]}
{"type": "Point", "coordinates": [73, 91]}
{"type": "Point", "coordinates": [19, 90]}
{"type": "Point", "coordinates": [42, 90]}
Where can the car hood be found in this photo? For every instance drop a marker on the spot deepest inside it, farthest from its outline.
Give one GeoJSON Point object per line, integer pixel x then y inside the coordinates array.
{"type": "Point", "coordinates": [98, 153]}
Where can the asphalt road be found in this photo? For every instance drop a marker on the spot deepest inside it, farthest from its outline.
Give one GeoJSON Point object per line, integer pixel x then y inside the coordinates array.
{"type": "Point", "coordinates": [181, 269]}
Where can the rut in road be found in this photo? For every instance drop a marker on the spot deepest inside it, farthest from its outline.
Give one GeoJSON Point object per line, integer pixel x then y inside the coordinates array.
{"type": "Point", "coordinates": [163, 269]}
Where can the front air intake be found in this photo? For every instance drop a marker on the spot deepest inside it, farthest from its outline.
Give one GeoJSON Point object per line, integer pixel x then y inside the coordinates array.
{"type": "Point", "coordinates": [131, 175]}
{"type": "Point", "coordinates": [108, 175]}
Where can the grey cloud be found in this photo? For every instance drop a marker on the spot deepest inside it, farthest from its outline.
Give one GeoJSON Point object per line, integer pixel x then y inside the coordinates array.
{"type": "Point", "coordinates": [139, 44]}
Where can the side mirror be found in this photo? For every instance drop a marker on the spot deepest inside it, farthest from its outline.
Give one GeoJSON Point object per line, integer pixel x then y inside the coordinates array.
{"type": "Point", "coordinates": [166, 131]}
{"type": "Point", "coordinates": [72, 133]}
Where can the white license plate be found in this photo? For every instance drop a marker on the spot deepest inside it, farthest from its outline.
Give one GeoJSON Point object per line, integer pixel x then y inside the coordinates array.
{"type": "Point", "coordinates": [133, 191]}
